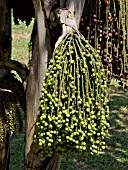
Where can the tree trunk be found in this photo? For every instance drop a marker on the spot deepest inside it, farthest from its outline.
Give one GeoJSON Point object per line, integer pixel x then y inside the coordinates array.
{"type": "Point", "coordinates": [41, 54]}
{"type": "Point", "coordinates": [5, 52]}
{"type": "Point", "coordinates": [34, 84]}
{"type": "Point", "coordinates": [4, 153]}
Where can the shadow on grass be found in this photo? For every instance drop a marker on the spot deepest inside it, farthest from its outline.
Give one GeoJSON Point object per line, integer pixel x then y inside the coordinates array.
{"type": "Point", "coordinates": [17, 144]}
{"type": "Point", "coordinates": [115, 157]}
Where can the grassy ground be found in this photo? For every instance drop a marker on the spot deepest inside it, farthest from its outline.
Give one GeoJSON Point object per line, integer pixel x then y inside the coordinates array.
{"type": "Point", "coordinates": [20, 41]}
{"type": "Point", "coordinates": [115, 157]}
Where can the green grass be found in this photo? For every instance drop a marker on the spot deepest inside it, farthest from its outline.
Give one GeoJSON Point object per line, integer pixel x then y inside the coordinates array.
{"type": "Point", "coordinates": [17, 144]}
{"type": "Point", "coordinates": [20, 41]}
{"type": "Point", "coordinates": [115, 157]}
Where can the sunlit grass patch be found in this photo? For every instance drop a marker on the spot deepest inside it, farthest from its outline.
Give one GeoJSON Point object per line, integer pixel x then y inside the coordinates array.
{"type": "Point", "coordinates": [21, 35]}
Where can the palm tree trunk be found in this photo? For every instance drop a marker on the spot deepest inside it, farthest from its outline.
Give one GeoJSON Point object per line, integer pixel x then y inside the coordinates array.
{"type": "Point", "coordinates": [5, 153]}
